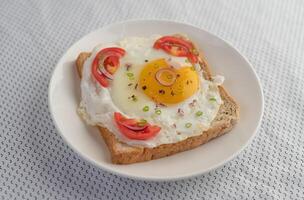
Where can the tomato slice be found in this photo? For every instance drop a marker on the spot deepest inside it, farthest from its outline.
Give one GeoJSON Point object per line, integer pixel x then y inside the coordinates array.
{"type": "Point", "coordinates": [111, 64]}
{"type": "Point", "coordinates": [100, 77]}
{"type": "Point", "coordinates": [172, 40]}
{"type": "Point", "coordinates": [193, 58]}
{"type": "Point", "coordinates": [177, 47]}
{"type": "Point", "coordinates": [129, 122]}
{"type": "Point", "coordinates": [175, 50]}
{"type": "Point", "coordinates": [144, 133]}
{"type": "Point", "coordinates": [110, 57]}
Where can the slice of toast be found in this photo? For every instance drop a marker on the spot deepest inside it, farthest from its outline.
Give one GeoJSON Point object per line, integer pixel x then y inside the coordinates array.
{"type": "Point", "coordinates": [122, 153]}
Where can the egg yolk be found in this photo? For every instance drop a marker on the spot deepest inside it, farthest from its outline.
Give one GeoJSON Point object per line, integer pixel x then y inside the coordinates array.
{"type": "Point", "coordinates": [166, 84]}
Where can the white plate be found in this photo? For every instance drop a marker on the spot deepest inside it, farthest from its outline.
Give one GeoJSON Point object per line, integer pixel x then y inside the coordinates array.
{"type": "Point", "coordinates": [241, 82]}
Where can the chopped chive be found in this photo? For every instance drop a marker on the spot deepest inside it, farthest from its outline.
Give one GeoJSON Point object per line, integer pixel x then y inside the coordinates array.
{"type": "Point", "coordinates": [158, 112]}
{"type": "Point", "coordinates": [146, 108]}
{"type": "Point", "coordinates": [187, 61]}
{"type": "Point", "coordinates": [188, 125]}
{"type": "Point", "coordinates": [142, 122]}
{"type": "Point", "coordinates": [213, 99]}
{"type": "Point", "coordinates": [199, 113]}
{"type": "Point", "coordinates": [129, 74]}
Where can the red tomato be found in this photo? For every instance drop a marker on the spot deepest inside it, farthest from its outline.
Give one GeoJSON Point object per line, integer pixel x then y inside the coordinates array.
{"type": "Point", "coordinates": [110, 57]}
{"type": "Point", "coordinates": [143, 133]}
{"type": "Point", "coordinates": [100, 77]}
{"type": "Point", "coordinates": [172, 40]}
{"type": "Point", "coordinates": [177, 47]}
{"type": "Point", "coordinates": [111, 64]}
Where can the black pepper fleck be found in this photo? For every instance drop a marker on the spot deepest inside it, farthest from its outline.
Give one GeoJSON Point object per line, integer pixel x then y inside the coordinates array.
{"type": "Point", "coordinates": [161, 104]}
{"type": "Point", "coordinates": [128, 66]}
{"type": "Point", "coordinates": [144, 87]}
{"type": "Point", "coordinates": [161, 91]}
{"type": "Point", "coordinates": [134, 98]}
{"type": "Point", "coordinates": [180, 112]}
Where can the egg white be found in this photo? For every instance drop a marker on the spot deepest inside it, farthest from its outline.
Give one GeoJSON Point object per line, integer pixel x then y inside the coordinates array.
{"type": "Point", "coordinates": [98, 104]}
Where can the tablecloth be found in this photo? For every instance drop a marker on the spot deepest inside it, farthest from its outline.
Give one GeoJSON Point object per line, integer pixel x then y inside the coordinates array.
{"type": "Point", "coordinates": [35, 163]}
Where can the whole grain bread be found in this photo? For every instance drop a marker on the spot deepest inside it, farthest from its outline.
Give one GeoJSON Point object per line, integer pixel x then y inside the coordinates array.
{"type": "Point", "coordinates": [122, 153]}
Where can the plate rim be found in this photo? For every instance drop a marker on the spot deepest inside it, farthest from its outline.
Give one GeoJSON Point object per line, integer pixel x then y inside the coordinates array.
{"type": "Point", "coordinates": [153, 178]}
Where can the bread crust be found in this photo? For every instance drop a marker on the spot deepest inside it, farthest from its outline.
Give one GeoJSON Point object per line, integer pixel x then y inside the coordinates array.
{"type": "Point", "coordinates": [122, 153]}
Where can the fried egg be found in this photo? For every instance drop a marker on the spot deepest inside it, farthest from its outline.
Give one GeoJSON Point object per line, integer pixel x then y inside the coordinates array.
{"type": "Point", "coordinates": [150, 84]}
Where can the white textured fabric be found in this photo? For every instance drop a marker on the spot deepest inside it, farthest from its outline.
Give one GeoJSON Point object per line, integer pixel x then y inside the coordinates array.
{"type": "Point", "coordinates": [35, 163]}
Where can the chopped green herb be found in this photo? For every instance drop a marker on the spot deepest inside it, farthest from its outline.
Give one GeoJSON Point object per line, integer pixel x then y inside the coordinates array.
{"type": "Point", "coordinates": [146, 108]}
{"type": "Point", "coordinates": [199, 113]}
{"type": "Point", "coordinates": [142, 122]}
{"type": "Point", "coordinates": [131, 78]}
{"type": "Point", "coordinates": [187, 61]}
{"type": "Point", "coordinates": [129, 74]}
{"type": "Point", "coordinates": [188, 125]}
{"type": "Point", "coordinates": [213, 99]}
{"type": "Point", "coordinates": [193, 68]}
{"type": "Point", "coordinates": [158, 112]}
